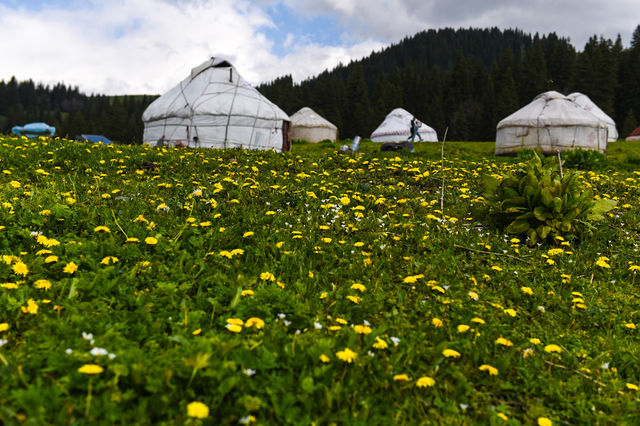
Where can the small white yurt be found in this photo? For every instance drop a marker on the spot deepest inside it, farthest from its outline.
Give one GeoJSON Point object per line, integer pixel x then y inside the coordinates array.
{"type": "Point", "coordinates": [588, 105]}
{"type": "Point", "coordinates": [214, 107]}
{"type": "Point", "coordinates": [551, 122]}
{"type": "Point", "coordinates": [308, 125]}
{"type": "Point", "coordinates": [396, 127]}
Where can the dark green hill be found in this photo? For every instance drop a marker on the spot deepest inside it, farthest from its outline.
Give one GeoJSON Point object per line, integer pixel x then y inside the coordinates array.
{"type": "Point", "coordinates": [466, 80]}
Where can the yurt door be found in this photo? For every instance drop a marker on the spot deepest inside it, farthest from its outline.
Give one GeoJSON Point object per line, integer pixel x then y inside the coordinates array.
{"type": "Point", "coordinates": [286, 143]}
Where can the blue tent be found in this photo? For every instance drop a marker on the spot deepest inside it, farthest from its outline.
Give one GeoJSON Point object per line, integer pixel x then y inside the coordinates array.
{"type": "Point", "coordinates": [33, 130]}
{"type": "Point", "coordinates": [95, 139]}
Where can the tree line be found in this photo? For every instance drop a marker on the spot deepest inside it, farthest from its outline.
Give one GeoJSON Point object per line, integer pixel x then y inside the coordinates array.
{"type": "Point", "coordinates": [465, 80]}
{"type": "Point", "coordinates": [71, 112]}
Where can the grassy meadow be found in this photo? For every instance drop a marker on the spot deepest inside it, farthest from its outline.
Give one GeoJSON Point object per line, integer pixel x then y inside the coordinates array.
{"type": "Point", "coordinates": [175, 286]}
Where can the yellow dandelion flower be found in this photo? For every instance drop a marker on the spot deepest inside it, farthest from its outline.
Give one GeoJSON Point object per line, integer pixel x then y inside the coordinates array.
{"type": "Point", "coordinates": [267, 276]}
{"type": "Point", "coordinates": [4, 327]}
{"type": "Point", "coordinates": [355, 299]}
{"type": "Point", "coordinates": [552, 348]}
{"type": "Point", "coordinates": [401, 378]}
{"type": "Point", "coordinates": [526, 290]}
{"type": "Point", "coordinates": [463, 328]}
{"type": "Point", "coordinates": [504, 342]}
{"type": "Point", "coordinates": [234, 328]}
{"type": "Point", "coordinates": [254, 322]}
{"type": "Point", "coordinates": [630, 326]}
{"type": "Point", "coordinates": [602, 262]}
{"type": "Point", "coordinates": [248, 234]}
{"type": "Point", "coordinates": [347, 355]}
{"type": "Point", "coordinates": [51, 259]}
{"type": "Point", "coordinates": [341, 321]}
{"type": "Point", "coordinates": [631, 386]}
{"type": "Point", "coordinates": [362, 329]}
{"type": "Point", "coordinates": [90, 369]}
{"type": "Point", "coordinates": [235, 321]}
{"type": "Point", "coordinates": [496, 268]}
{"type": "Point", "coordinates": [535, 341]}
{"type": "Point", "coordinates": [437, 322]}
{"type": "Point", "coordinates": [151, 241]}
{"type": "Point", "coordinates": [197, 410]}
{"type": "Point", "coordinates": [450, 353]}
{"type": "Point", "coordinates": [70, 268]}
{"type": "Point", "coordinates": [324, 358]}
{"type": "Point", "coordinates": [20, 269]}
{"type": "Point", "coordinates": [543, 421]}
{"type": "Point", "coordinates": [132, 240]}
{"type": "Point", "coordinates": [43, 284]}
{"type": "Point", "coordinates": [489, 369]}
{"type": "Point", "coordinates": [247, 293]}
{"type": "Point", "coordinates": [101, 229]}
{"type": "Point", "coordinates": [196, 332]}
{"type": "Point", "coordinates": [358, 287]}
{"type": "Point", "coordinates": [510, 312]}
{"type": "Point", "coordinates": [478, 320]}
{"type": "Point", "coordinates": [425, 382]}
{"type": "Point", "coordinates": [380, 344]}
{"type": "Point", "coordinates": [140, 218]}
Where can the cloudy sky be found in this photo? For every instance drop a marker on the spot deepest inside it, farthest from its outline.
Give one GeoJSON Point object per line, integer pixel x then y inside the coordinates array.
{"type": "Point", "coordinates": [147, 46]}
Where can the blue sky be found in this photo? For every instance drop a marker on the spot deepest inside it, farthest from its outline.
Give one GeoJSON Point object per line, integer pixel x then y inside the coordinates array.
{"type": "Point", "coordinates": [147, 46]}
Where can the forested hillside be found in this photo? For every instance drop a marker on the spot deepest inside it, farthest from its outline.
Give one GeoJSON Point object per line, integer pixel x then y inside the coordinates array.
{"type": "Point", "coordinates": [71, 112]}
{"type": "Point", "coordinates": [466, 80]}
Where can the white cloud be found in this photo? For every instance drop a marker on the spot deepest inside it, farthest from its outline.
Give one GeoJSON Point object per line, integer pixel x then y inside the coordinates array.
{"type": "Point", "coordinates": [147, 46]}
{"type": "Point", "coordinates": [391, 20]}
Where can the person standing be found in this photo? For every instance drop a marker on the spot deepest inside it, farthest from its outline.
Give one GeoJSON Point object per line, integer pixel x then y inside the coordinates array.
{"type": "Point", "coordinates": [415, 126]}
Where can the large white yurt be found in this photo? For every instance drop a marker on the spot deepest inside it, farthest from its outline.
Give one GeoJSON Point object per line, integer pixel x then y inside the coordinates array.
{"type": "Point", "coordinates": [308, 125]}
{"type": "Point", "coordinates": [214, 107]}
{"type": "Point", "coordinates": [551, 122]}
{"type": "Point", "coordinates": [588, 105]}
{"type": "Point", "coordinates": [396, 127]}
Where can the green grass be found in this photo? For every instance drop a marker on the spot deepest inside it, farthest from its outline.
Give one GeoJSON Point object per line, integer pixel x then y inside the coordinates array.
{"type": "Point", "coordinates": [332, 252]}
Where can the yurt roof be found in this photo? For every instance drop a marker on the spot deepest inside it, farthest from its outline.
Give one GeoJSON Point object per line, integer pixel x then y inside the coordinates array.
{"type": "Point", "coordinates": [588, 105]}
{"type": "Point", "coordinates": [636, 132]}
{"type": "Point", "coordinates": [550, 109]}
{"type": "Point", "coordinates": [213, 88]}
{"type": "Point", "coordinates": [397, 123]}
{"type": "Point", "coordinates": [306, 117]}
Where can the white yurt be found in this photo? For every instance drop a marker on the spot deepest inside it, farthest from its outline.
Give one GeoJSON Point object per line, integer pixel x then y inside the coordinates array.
{"type": "Point", "coordinates": [396, 127]}
{"type": "Point", "coordinates": [214, 107]}
{"type": "Point", "coordinates": [551, 122]}
{"type": "Point", "coordinates": [306, 124]}
{"type": "Point", "coordinates": [588, 105]}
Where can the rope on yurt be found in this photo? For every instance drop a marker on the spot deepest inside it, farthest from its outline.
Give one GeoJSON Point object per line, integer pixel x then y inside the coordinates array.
{"type": "Point", "coordinates": [233, 101]}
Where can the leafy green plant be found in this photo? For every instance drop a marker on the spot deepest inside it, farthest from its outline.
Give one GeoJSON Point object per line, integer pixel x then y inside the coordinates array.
{"type": "Point", "coordinates": [583, 159]}
{"type": "Point", "coordinates": [526, 154]}
{"type": "Point", "coordinates": [538, 201]}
